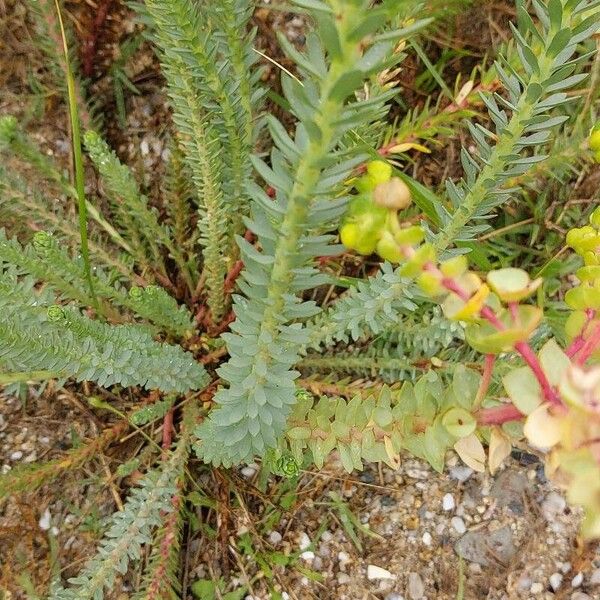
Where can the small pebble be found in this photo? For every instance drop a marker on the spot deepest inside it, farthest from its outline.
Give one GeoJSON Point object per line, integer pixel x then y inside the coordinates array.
{"type": "Point", "coordinates": [595, 577]}
{"type": "Point", "coordinates": [524, 583]}
{"type": "Point", "coordinates": [461, 473]}
{"type": "Point", "coordinates": [416, 589]}
{"type": "Point", "coordinates": [375, 572]}
{"type": "Point", "coordinates": [275, 537]}
{"type": "Point", "coordinates": [304, 541]}
{"type": "Point", "coordinates": [343, 578]}
{"type": "Point", "coordinates": [577, 580]}
{"type": "Point", "coordinates": [327, 536]}
{"type": "Point", "coordinates": [248, 472]}
{"type": "Point", "coordinates": [555, 581]}
{"type": "Point", "coordinates": [554, 504]}
{"type": "Point", "coordinates": [30, 457]}
{"type": "Point", "coordinates": [394, 597]}
{"type": "Point", "coordinates": [565, 567]}
{"type": "Point", "coordinates": [536, 588]}
{"type": "Point", "coordinates": [307, 555]}
{"type": "Point", "coordinates": [343, 557]}
{"type": "Point", "coordinates": [44, 521]}
{"type": "Point", "coordinates": [427, 539]}
{"type": "Point", "coordinates": [448, 502]}
{"type": "Point", "coordinates": [18, 455]}
{"type": "Point", "coordinates": [458, 525]}
{"type": "Point", "coordinates": [580, 596]}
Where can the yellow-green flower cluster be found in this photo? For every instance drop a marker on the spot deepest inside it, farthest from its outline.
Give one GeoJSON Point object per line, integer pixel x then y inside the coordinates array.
{"type": "Point", "coordinates": [585, 296]}
{"type": "Point", "coordinates": [371, 223]}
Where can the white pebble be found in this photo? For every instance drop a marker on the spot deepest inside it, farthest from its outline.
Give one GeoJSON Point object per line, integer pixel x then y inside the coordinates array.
{"type": "Point", "coordinates": [536, 588]}
{"type": "Point", "coordinates": [285, 596]}
{"type": "Point", "coordinates": [248, 472]}
{"type": "Point", "coordinates": [144, 148]}
{"type": "Point", "coordinates": [595, 577]}
{"type": "Point", "coordinates": [304, 542]}
{"type": "Point", "coordinates": [448, 502]}
{"type": "Point", "coordinates": [18, 455]}
{"type": "Point", "coordinates": [555, 581]}
{"type": "Point", "coordinates": [44, 521]}
{"type": "Point", "coordinates": [343, 557]}
{"type": "Point", "coordinates": [461, 473]}
{"type": "Point", "coordinates": [565, 567]}
{"type": "Point", "coordinates": [458, 524]}
{"type": "Point", "coordinates": [307, 555]}
{"type": "Point", "coordinates": [327, 536]}
{"type": "Point", "coordinates": [577, 580]}
{"type": "Point", "coordinates": [554, 504]}
{"type": "Point", "coordinates": [54, 531]}
{"type": "Point", "coordinates": [5, 469]}
{"type": "Point", "coordinates": [275, 538]}
{"type": "Point", "coordinates": [31, 457]}
{"type": "Point", "coordinates": [375, 572]}
{"type": "Point", "coordinates": [343, 578]}
{"type": "Point", "coordinates": [427, 539]}
{"type": "Point", "coordinates": [416, 588]}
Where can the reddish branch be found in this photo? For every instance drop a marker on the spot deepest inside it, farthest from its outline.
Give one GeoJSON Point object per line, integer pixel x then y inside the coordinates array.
{"type": "Point", "coordinates": [167, 432]}
{"type": "Point", "coordinates": [523, 348]}
{"type": "Point", "coordinates": [90, 43]}
{"type": "Point", "coordinates": [160, 579]}
{"type": "Point", "coordinates": [589, 347]}
{"type": "Point", "coordinates": [579, 340]}
{"type": "Point", "coordinates": [498, 415]}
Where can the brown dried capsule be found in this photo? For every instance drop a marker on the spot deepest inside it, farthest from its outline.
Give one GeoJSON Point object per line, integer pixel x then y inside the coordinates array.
{"type": "Point", "coordinates": [392, 194]}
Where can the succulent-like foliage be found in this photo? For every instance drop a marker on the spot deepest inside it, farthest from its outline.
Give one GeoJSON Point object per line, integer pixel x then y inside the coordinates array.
{"type": "Point", "coordinates": [549, 69]}
{"type": "Point", "coordinates": [65, 343]}
{"type": "Point", "coordinates": [421, 418]}
{"type": "Point", "coordinates": [145, 510]}
{"type": "Point", "coordinates": [207, 59]}
{"type": "Point", "coordinates": [306, 172]}
{"type": "Point", "coordinates": [46, 261]}
{"type": "Point", "coordinates": [137, 219]}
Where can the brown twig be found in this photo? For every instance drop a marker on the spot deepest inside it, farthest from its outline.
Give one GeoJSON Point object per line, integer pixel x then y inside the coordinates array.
{"type": "Point", "coordinates": [89, 46]}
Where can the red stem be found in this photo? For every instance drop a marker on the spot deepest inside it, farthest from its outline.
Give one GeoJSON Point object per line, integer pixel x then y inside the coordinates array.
{"type": "Point", "coordinates": [589, 347]}
{"type": "Point", "coordinates": [167, 432]}
{"type": "Point", "coordinates": [528, 355]}
{"type": "Point", "coordinates": [498, 415]}
{"type": "Point", "coordinates": [523, 348]}
{"type": "Point", "coordinates": [579, 340]}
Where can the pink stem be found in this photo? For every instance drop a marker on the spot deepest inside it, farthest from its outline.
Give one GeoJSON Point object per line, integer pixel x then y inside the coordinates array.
{"type": "Point", "coordinates": [499, 414]}
{"type": "Point", "coordinates": [528, 355]}
{"type": "Point", "coordinates": [523, 348]}
{"type": "Point", "coordinates": [589, 346]}
{"type": "Point", "coordinates": [579, 340]}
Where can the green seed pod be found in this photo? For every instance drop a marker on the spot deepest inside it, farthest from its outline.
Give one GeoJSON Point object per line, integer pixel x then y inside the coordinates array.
{"type": "Point", "coordinates": [410, 236]}
{"type": "Point", "coordinates": [595, 218]}
{"type": "Point", "coordinates": [56, 313]}
{"type": "Point", "coordinates": [388, 249]}
{"type": "Point", "coordinates": [594, 139]}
